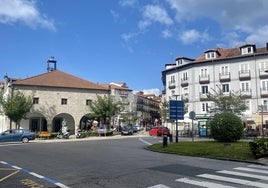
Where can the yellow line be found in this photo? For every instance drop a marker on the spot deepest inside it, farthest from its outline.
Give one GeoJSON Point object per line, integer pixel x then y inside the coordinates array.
{"type": "Point", "coordinates": [9, 175]}
{"type": "Point", "coordinates": [7, 169]}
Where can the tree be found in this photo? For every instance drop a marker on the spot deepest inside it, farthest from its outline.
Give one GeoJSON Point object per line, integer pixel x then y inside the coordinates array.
{"type": "Point", "coordinates": [104, 108]}
{"type": "Point", "coordinates": [226, 127]}
{"type": "Point", "coordinates": [164, 110]}
{"type": "Point", "coordinates": [233, 102]}
{"type": "Point", "coordinates": [16, 106]}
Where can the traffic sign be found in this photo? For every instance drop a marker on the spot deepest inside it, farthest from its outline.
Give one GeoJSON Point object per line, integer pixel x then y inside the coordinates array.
{"type": "Point", "coordinates": [176, 110]}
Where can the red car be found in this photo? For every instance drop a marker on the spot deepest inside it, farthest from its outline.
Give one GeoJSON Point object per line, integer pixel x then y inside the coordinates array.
{"type": "Point", "coordinates": [159, 131]}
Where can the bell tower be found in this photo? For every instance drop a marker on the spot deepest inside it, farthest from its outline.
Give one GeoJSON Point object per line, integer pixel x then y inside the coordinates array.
{"type": "Point", "coordinates": [51, 64]}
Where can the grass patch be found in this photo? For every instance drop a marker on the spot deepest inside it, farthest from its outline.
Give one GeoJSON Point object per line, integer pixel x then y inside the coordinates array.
{"type": "Point", "coordinates": [212, 149]}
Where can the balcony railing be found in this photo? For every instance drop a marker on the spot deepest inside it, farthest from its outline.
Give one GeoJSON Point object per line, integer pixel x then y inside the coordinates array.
{"type": "Point", "coordinates": [264, 92]}
{"type": "Point", "coordinates": [244, 75]}
{"type": "Point", "coordinates": [246, 93]}
{"type": "Point", "coordinates": [203, 96]}
{"type": "Point", "coordinates": [184, 82]}
{"type": "Point", "coordinates": [263, 74]}
{"type": "Point", "coordinates": [225, 77]}
{"type": "Point", "coordinates": [204, 79]}
{"type": "Point", "coordinates": [171, 85]}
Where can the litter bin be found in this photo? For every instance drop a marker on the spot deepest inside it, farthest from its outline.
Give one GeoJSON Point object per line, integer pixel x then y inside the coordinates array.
{"type": "Point", "coordinates": [165, 141]}
{"type": "Point", "coordinates": [170, 138]}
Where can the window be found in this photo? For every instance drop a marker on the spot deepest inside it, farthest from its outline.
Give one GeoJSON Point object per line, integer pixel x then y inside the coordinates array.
{"type": "Point", "coordinates": [35, 100]}
{"type": "Point", "coordinates": [172, 79]}
{"type": "Point", "coordinates": [204, 89]}
{"type": "Point", "coordinates": [184, 76]}
{"type": "Point", "coordinates": [265, 103]}
{"type": "Point", "coordinates": [244, 86]}
{"type": "Point", "coordinates": [244, 68]}
{"type": "Point", "coordinates": [204, 72]}
{"type": "Point", "coordinates": [88, 101]}
{"type": "Point", "coordinates": [247, 102]}
{"type": "Point", "coordinates": [210, 55]}
{"type": "Point", "coordinates": [224, 70]}
{"type": "Point", "coordinates": [247, 50]}
{"type": "Point", "coordinates": [205, 107]}
{"type": "Point", "coordinates": [225, 88]}
{"type": "Point", "coordinates": [264, 66]}
{"type": "Point", "coordinates": [264, 85]}
{"type": "Point", "coordinates": [64, 101]}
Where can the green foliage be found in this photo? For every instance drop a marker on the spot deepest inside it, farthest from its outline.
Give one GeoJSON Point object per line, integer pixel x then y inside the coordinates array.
{"type": "Point", "coordinates": [212, 149]}
{"type": "Point", "coordinates": [16, 106]}
{"type": "Point", "coordinates": [226, 127]}
{"type": "Point", "coordinates": [233, 102]}
{"type": "Point", "coordinates": [104, 108]}
{"type": "Point", "coordinates": [259, 148]}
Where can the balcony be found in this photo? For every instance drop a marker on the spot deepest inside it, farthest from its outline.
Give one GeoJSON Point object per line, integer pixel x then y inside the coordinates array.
{"type": "Point", "coordinates": [244, 75]}
{"type": "Point", "coordinates": [225, 77]}
{"type": "Point", "coordinates": [246, 93]}
{"type": "Point", "coordinates": [263, 74]}
{"type": "Point", "coordinates": [264, 92]}
{"type": "Point", "coordinates": [203, 96]}
{"type": "Point", "coordinates": [184, 82]}
{"type": "Point", "coordinates": [204, 79]}
{"type": "Point", "coordinates": [171, 85]}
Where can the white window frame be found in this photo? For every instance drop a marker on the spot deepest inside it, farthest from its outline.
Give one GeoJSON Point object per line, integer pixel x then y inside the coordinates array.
{"type": "Point", "coordinates": [205, 107]}
{"type": "Point", "coordinates": [184, 76]}
{"type": "Point", "coordinates": [245, 86]}
{"type": "Point", "coordinates": [224, 70]}
{"type": "Point", "coordinates": [264, 85]}
{"type": "Point", "coordinates": [247, 50]}
{"type": "Point", "coordinates": [263, 66]}
{"type": "Point", "coordinates": [203, 90]}
{"type": "Point", "coordinates": [203, 72]}
{"type": "Point", "coordinates": [244, 68]}
{"type": "Point", "coordinates": [225, 88]}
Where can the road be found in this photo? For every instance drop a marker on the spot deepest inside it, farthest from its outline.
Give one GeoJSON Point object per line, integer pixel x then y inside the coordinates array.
{"type": "Point", "coordinates": [118, 162]}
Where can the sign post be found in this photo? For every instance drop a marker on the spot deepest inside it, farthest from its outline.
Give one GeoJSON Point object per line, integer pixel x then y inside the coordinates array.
{"type": "Point", "coordinates": [176, 111]}
{"type": "Point", "coordinates": [192, 116]}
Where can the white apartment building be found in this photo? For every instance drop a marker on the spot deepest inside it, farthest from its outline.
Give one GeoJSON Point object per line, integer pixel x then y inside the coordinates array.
{"type": "Point", "coordinates": [236, 69]}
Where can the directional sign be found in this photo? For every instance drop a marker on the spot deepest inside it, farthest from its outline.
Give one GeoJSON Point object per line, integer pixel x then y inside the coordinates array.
{"type": "Point", "coordinates": [176, 110]}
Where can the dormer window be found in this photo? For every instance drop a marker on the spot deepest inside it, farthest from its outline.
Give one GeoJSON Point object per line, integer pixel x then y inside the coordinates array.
{"type": "Point", "coordinates": [247, 49]}
{"type": "Point", "coordinates": [211, 54]}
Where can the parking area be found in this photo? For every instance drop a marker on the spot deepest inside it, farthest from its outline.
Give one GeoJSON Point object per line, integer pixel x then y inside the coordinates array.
{"type": "Point", "coordinates": [12, 177]}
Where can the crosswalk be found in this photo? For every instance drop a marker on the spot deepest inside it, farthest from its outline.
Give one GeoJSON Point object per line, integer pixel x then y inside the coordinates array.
{"type": "Point", "coordinates": [250, 176]}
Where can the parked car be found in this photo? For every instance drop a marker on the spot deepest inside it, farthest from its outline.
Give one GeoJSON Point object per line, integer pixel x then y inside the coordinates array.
{"type": "Point", "coordinates": [159, 131]}
{"type": "Point", "coordinates": [127, 130]}
{"type": "Point", "coordinates": [12, 135]}
{"type": "Point", "coordinates": [137, 128]}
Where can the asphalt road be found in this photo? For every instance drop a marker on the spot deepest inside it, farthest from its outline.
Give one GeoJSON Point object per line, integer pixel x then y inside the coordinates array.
{"type": "Point", "coordinates": [117, 162]}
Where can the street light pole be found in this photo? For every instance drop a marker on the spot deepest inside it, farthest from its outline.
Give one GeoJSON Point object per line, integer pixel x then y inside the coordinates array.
{"type": "Point", "coordinates": [177, 131]}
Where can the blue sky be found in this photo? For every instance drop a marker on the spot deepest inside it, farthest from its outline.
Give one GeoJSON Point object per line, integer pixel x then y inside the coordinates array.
{"type": "Point", "coordinates": [128, 41]}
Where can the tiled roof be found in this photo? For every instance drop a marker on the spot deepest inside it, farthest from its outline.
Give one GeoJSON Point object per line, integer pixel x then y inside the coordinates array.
{"type": "Point", "coordinates": [59, 78]}
{"type": "Point", "coordinates": [229, 53]}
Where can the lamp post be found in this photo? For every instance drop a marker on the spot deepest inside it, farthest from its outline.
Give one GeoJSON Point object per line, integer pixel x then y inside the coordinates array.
{"type": "Point", "coordinates": [177, 131]}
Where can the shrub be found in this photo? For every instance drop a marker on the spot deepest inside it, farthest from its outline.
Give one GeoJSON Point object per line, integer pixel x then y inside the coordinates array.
{"type": "Point", "coordinates": [226, 127]}
{"type": "Point", "coordinates": [259, 148]}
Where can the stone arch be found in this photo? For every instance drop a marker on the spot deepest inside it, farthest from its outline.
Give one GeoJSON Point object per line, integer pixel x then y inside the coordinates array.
{"type": "Point", "coordinates": [86, 123]}
{"type": "Point", "coordinates": [35, 122]}
{"type": "Point", "coordinates": [57, 122]}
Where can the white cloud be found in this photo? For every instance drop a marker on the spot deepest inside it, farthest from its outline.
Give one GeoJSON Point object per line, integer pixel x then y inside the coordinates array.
{"type": "Point", "coordinates": [247, 17]}
{"type": "Point", "coordinates": [191, 36]}
{"type": "Point", "coordinates": [125, 3]}
{"type": "Point", "coordinates": [152, 14]}
{"type": "Point", "coordinates": [167, 33]}
{"type": "Point", "coordinates": [25, 11]}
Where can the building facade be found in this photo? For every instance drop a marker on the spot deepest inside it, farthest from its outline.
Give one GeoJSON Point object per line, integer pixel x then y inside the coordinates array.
{"type": "Point", "coordinates": [242, 69]}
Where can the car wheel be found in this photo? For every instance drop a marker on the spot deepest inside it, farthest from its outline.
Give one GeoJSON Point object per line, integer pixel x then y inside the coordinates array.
{"type": "Point", "coordinates": [25, 140]}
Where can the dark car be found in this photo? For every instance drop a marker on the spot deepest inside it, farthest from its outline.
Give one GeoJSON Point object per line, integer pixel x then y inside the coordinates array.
{"type": "Point", "coordinates": [12, 135]}
{"type": "Point", "coordinates": [127, 130]}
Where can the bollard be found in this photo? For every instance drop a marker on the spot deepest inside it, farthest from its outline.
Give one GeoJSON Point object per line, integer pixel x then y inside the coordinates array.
{"type": "Point", "coordinates": [170, 138]}
{"type": "Point", "coordinates": [165, 141]}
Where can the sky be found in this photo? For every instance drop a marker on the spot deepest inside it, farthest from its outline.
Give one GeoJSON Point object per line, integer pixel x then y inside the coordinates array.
{"type": "Point", "coordinates": [129, 41]}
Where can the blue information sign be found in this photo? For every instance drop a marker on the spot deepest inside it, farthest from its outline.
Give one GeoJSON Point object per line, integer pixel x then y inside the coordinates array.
{"type": "Point", "coordinates": [176, 110]}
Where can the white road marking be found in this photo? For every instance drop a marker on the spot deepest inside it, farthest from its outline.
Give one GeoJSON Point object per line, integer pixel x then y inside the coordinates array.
{"type": "Point", "coordinates": [159, 186]}
{"type": "Point", "coordinates": [244, 174]}
{"type": "Point", "coordinates": [251, 170]}
{"type": "Point", "coordinates": [234, 180]}
{"type": "Point", "coordinates": [203, 183]}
